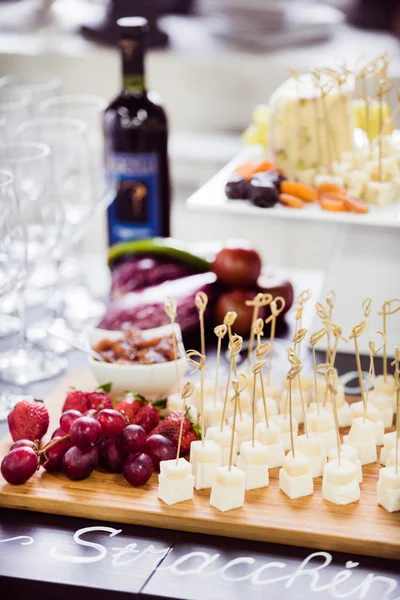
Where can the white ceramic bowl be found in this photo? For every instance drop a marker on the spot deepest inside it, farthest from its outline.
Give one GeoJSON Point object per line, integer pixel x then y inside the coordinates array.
{"type": "Point", "coordinates": [151, 381]}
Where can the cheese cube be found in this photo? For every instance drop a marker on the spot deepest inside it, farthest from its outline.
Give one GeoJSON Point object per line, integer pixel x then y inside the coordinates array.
{"type": "Point", "coordinates": [253, 461]}
{"type": "Point", "coordinates": [373, 415]}
{"type": "Point", "coordinates": [273, 390]}
{"type": "Point", "coordinates": [209, 387]}
{"type": "Point", "coordinates": [391, 461]}
{"type": "Point", "coordinates": [313, 450]}
{"type": "Point", "coordinates": [283, 423]}
{"type": "Point", "coordinates": [389, 442]}
{"type": "Point", "coordinates": [380, 193]}
{"type": "Point", "coordinates": [297, 407]}
{"type": "Point", "coordinates": [358, 158]}
{"type": "Point", "coordinates": [339, 483]}
{"type": "Point", "coordinates": [361, 436]}
{"type": "Point", "coordinates": [205, 458]}
{"type": "Point", "coordinates": [228, 489]}
{"type": "Point", "coordinates": [175, 481]}
{"type": "Point", "coordinates": [295, 478]}
{"type": "Point", "coordinates": [385, 387]}
{"type": "Point", "coordinates": [271, 438]}
{"type": "Point", "coordinates": [349, 453]}
{"type": "Point", "coordinates": [243, 428]}
{"type": "Point", "coordinates": [223, 439]}
{"type": "Point", "coordinates": [306, 384]}
{"type": "Point", "coordinates": [388, 489]}
{"type": "Point", "coordinates": [271, 406]}
{"type": "Point", "coordinates": [383, 403]}
{"type": "Point", "coordinates": [213, 414]}
{"type": "Point", "coordinates": [355, 182]}
{"type": "Point", "coordinates": [390, 168]}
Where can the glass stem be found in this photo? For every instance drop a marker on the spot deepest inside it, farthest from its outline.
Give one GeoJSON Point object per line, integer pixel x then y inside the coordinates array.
{"type": "Point", "coordinates": [21, 309]}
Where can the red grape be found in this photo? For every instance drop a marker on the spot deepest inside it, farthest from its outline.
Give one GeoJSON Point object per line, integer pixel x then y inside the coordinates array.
{"type": "Point", "coordinates": [133, 439]}
{"type": "Point", "coordinates": [85, 432]}
{"type": "Point", "coordinates": [52, 458]}
{"type": "Point", "coordinates": [111, 455]}
{"type": "Point", "coordinates": [19, 465]}
{"type": "Point", "coordinates": [237, 266]}
{"type": "Point", "coordinates": [59, 432]}
{"type": "Point", "coordinates": [111, 421]}
{"type": "Point", "coordinates": [78, 464]}
{"type": "Point", "coordinates": [68, 417]}
{"type": "Point", "coordinates": [90, 413]}
{"type": "Point", "coordinates": [137, 469]}
{"type": "Point", "coordinates": [24, 444]}
{"type": "Point", "coordinates": [159, 448]}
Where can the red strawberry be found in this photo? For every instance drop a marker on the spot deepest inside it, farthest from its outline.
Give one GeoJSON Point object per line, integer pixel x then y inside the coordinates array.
{"type": "Point", "coordinates": [83, 401]}
{"type": "Point", "coordinates": [148, 417]}
{"type": "Point", "coordinates": [131, 405]}
{"type": "Point", "coordinates": [28, 420]}
{"type": "Point", "coordinates": [170, 426]}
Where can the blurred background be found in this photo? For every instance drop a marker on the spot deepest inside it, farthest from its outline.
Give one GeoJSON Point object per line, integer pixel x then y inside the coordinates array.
{"type": "Point", "coordinates": [211, 61]}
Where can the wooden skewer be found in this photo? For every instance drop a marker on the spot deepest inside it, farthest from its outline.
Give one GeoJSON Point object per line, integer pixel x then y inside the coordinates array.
{"type": "Point", "coordinates": [258, 302]}
{"type": "Point", "coordinates": [323, 315]}
{"type": "Point", "coordinates": [261, 352]}
{"type": "Point", "coordinates": [385, 312]}
{"type": "Point", "coordinates": [366, 306]}
{"type": "Point", "coordinates": [314, 339]}
{"type": "Point", "coordinates": [199, 366]}
{"type": "Point", "coordinates": [384, 87]}
{"type": "Point", "coordinates": [355, 334]}
{"type": "Point", "coordinates": [337, 334]}
{"type": "Point", "coordinates": [201, 301]}
{"type": "Point", "coordinates": [170, 311]}
{"type": "Point", "coordinates": [373, 351]}
{"type": "Point", "coordinates": [235, 347]}
{"type": "Point", "coordinates": [277, 306]}
{"type": "Point", "coordinates": [332, 384]}
{"type": "Point", "coordinates": [235, 384]}
{"type": "Point", "coordinates": [293, 372]}
{"type": "Point", "coordinates": [220, 332]}
{"type": "Point", "coordinates": [229, 320]}
{"type": "Point", "coordinates": [396, 364]}
{"type": "Point", "coordinates": [186, 392]}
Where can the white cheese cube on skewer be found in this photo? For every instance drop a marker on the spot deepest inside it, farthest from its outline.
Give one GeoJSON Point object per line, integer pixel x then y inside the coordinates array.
{"type": "Point", "coordinates": [209, 387]}
{"type": "Point", "coordinates": [273, 390]}
{"type": "Point", "coordinates": [243, 429]}
{"type": "Point", "coordinates": [295, 478]}
{"type": "Point", "coordinates": [223, 439]}
{"type": "Point", "coordinates": [213, 414]}
{"type": "Point", "coordinates": [253, 460]}
{"type": "Point", "coordinates": [386, 387]}
{"type": "Point", "coordinates": [349, 453]}
{"type": "Point", "coordinates": [205, 459]}
{"type": "Point", "coordinates": [323, 426]}
{"type": "Point", "coordinates": [373, 415]}
{"type": "Point", "coordinates": [306, 384]}
{"type": "Point", "coordinates": [339, 483]}
{"type": "Point", "coordinates": [357, 158]}
{"type": "Point", "coordinates": [361, 436]}
{"type": "Point", "coordinates": [391, 461]}
{"type": "Point", "coordinates": [383, 403]}
{"type": "Point", "coordinates": [297, 406]}
{"type": "Point", "coordinates": [355, 182]}
{"type": "Point", "coordinates": [228, 489]}
{"type": "Point", "coordinates": [380, 193]}
{"type": "Point", "coordinates": [283, 423]}
{"type": "Point", "coordinates": [388, 489]}
{"type": "Point", "coordinates": [389, 165]}
{"type": "Point", "coordinates": [271, 438]}
{"type": "Point", "coordinates": [271, 405]}
{"type": "Point", "coordinates": [175, 481]}
{"type": "Point", "coordinates": [389, 442]}
{"type": "Point", "coordinates": [174, 403]}
{"type": "Point", "coordinates": [313, 450]}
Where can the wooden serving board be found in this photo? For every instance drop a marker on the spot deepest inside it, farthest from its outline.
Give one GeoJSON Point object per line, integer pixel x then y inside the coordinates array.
{"type": "Point", "coordinates": [268, 515]}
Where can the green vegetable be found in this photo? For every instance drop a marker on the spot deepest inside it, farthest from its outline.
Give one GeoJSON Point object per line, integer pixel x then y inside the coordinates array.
{"type": "Point", "coordinates": [163, 247]}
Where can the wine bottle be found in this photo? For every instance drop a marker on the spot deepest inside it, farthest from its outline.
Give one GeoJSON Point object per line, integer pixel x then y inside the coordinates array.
{"type": "Point", "coordinates": [136, 139]}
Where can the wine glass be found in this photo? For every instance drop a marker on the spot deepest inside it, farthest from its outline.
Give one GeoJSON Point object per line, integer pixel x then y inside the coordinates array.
{"type": "Point", "coordinates": [12, 251]}
{"type": "Point", "coordinates": [15, 107]}
{"type": "Point", "coordinates": [40, 86]}
{"type": "Point", "coordinates": [42, 220]}
{"type": "Point", "coordinates": [80, 305]}
{"type": "Point", "coordinates": [67, 139]}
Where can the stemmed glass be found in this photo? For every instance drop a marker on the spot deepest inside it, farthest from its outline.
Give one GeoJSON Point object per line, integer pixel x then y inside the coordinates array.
{"type": "Point", "coordinates": [80, 305]}
{"type": "Point", "coordinates": [12, 250]}
{"type": "Point", "coordinates": [42, 219]}
{"type": "Point", "coordinates": [67, 139]}
{"type": "Point", "coordinates": [39, 86]}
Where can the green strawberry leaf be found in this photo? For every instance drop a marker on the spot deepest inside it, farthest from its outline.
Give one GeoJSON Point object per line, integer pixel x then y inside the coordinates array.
{"type": "Point", "coordinates": [139, 397]}
{"type": "Point", "coordinates": [160, 404]}
{"type": "Point", "coordinates": [106, 387]}
{"type": "Point", "coordinates": [197, 429]}
{"type": "Point", "coordinates": [38, 400]}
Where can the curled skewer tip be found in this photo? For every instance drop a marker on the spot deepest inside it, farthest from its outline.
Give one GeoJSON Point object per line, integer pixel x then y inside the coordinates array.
{"type": "Point", "coordinates": [239, 384]}
{"type": "Point", "coordinates": [331, 299]}
{"type": "Point", "coordinates": [332, 380]}
{"type": "Point", "coordinates": [260, 300]}
{"type": "Point", "coordinates": [387, 307]}
{"type": "Point", "coordinates": [294, 371]}
{"type": "Point", "coordinates": [277, 306]}
{"type": "Point", "coordinates": [170, 308]}
{"type": "Point", "coordinates": [366, 305]}
{"type": "Point", "coordinates": [187, 390]}
{"type": "Point", "coordinates": [262, 350]}
{"type": "Point", "coordinates": [235, 346]}
{"type": "Point", "coordinates": [299, 336]}
{"type": "Point", "coordinates": [230, 318]}
{"type": "Point", "coordinates": [201, 301]}
{"type": "Point", "coordinates": [220, 331]}
{"type": "Point", "coordinates": [199, 365]}
{"type": "Point", "coordinates": [304, 297]}
{"type": "Point", "coordinates": [258, 327]}
{"type": "Point", "coordinates": [293, 357]}
{"type": "Point", "coordinates": [358, 329]}
{"type": "Point", "coordinates": [373, 350]}
{"type": "Point", "coordinates": [258, 366]}
{"type": "Point", "coordinates": [317, 336]}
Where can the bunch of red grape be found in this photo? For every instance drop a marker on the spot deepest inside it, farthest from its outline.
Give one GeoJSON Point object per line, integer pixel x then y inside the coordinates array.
{"type": "Point", "coordinates": [83, 442]}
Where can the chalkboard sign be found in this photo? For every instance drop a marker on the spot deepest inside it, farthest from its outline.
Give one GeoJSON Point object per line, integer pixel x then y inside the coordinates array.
{"type": "Point", "coordinates": [44, 549]}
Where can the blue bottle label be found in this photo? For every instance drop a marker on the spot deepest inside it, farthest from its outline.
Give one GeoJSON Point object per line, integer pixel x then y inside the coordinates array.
{"type": "Point", "coordinates": [135, 210]}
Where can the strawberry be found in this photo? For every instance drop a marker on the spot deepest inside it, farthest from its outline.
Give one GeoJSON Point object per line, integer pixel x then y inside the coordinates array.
{"type": "Point", "coordinates": [140, 411]}
{"type": "Point", "coordinates": [170, 426]}
{"type": "Point", "coordinates": [83, 401]}
{"type": "Point", "coordinates": [148, 417]}
{"type": "Point", "coordinates": [28, 420]}
{"type": "Point", "coordinates": [131, 405]}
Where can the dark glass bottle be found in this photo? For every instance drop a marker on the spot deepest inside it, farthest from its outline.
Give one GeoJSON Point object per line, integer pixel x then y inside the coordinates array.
{"type": "Point", "coordinates": [136, 137]}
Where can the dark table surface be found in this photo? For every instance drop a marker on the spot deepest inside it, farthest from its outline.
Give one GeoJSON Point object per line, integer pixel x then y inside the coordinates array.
{"type": "Point", "coordinates": [52, 557]}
